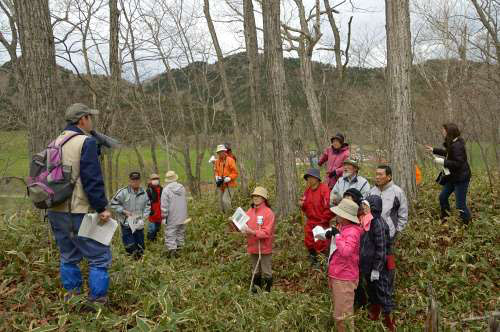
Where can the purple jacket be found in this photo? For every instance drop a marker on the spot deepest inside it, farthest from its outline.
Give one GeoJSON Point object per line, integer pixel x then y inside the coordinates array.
{"type": "Point", "coordinates": [344, 262]}
{"type": "Point", "coordinates": [335, 163]}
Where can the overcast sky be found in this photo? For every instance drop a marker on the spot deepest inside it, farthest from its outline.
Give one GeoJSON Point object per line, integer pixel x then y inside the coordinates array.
{"type": "Point", "coordinates": [367, 45]}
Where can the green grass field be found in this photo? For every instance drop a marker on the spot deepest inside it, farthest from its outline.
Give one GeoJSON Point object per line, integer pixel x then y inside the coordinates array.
{"type": "Point", "coordinates": [206, 289]}
{"type": "Point", "coordinates": [14, 159]}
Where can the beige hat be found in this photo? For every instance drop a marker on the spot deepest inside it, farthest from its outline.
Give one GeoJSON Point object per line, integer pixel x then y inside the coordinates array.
{"type": "Point", "coordinates": [352, 162]}
{"type": "Point", "coordinates": [171, 177]}
{"type": "Point", "coordinates": [221, 148]}
{"type": "Point", "coordinates": [260, 191]}
{"type": "Point", "coordinates": [154, 177]}
{"type": "Point", "coordinates": [347, 209]}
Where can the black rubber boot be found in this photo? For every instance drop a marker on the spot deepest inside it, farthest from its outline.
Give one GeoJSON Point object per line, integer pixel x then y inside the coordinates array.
{"type": "Point", "coordinates": [269, 284]}
{"type": "Point", "coordinates": [257, 282]}
{"type": "Point", "coordinates": [313, 259]}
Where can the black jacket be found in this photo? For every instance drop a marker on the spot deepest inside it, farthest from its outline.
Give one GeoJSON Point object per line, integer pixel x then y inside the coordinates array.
{"type": "Point", "coordinates": [375, 244]}
{"type": "Point", "coordinates": [456, 160]}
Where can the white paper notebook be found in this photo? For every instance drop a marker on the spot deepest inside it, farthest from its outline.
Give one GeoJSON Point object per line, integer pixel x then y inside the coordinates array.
{"type": "Point", "coordinates": [92, 229]}
{"type": "Point", "coordinates": [135, 223]}
{"type": "Point", "coordinates": [240, 218]}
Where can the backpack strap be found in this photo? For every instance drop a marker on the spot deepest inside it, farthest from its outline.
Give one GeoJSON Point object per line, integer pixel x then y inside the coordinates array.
{"type": "Point", "coordinates": [67, 138]}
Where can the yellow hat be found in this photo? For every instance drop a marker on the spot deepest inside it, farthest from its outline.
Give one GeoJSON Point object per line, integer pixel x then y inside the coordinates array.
{"type": "Point", "coordinates": [171, 177]}
{"type": "Point", "coordinates": [260, 191]}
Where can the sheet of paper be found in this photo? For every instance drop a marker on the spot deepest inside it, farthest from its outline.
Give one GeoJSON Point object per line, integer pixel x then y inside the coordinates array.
{"type": "Point", "coordinates": [92, 228]}
{"type": "Point", "coordinates": [240, 218]}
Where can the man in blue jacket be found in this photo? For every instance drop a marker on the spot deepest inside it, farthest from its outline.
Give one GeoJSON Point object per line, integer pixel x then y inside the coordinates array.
{"type": "Point", "coordinates": [81, 153]}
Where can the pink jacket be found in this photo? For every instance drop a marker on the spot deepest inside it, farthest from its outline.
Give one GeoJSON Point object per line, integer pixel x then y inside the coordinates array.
{"type": "Point", "coordinates": [344, 262]}
{"type": "Point", "coordinates": [335, 163]}
{"type": "Point", "coordinates": [265, 233]}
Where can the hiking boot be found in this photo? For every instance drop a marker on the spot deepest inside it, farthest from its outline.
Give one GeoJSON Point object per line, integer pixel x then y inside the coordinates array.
{"type": "Point", "coordinates": [389, 322]}
{"type": "Point", "coordinates": [92, 306]}
{"type": "Point", "coordinates": [374, 312]}
{"type": "Point", "coordinates": [72, 293]}
{"type": "Point", "coordinates": [138, 255]}
{"type": "Point", "coordinates": [171, 253]}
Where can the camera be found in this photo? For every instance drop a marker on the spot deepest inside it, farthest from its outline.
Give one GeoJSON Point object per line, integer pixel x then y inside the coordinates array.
{"type": "Point", "coordinates": [219, 182]}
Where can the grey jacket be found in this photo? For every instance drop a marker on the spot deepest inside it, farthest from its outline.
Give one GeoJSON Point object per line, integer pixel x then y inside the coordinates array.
{"type": "Point", "coordinates": [394, 207]}
{"type": "Point", "coordinates": [137, 203]}
{"type": "Point", "coordinates": [174, 204]}
{"type": "Point", "coordinates": [343, 184]}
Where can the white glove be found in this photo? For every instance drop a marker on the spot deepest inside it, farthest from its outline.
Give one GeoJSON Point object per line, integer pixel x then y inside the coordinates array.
{"type": "Point", "coordinates": [212, 160]}
{"type": "Point", "coordinates": [439, 161]}
{"type": "Point", "coordinates": [375, 276]}
{"type": "Point", "coordinates": [217, 178]}
{"type": "Point", "coordinates": [227, 179]}
{"type": "Point", "coordinates": [244, 229]}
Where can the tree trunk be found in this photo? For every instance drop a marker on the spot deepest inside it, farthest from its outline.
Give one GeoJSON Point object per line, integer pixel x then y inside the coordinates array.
{"type": "Point", "coordinates": [114, 65]}
{"type": "Point", "coordinates": [284, 160]}
{"type": "Point", "coordinates": [154, 157]}
{"type": "Point", "coordinates": [313, 103]}
{"type": "Point", "coordinates": [38, 68]}
{"type": "Point", "coordinates": [400, 113]}
{"type": "Point", "coordinates": [140, 160]}
{"type": "Point", "coordinates": [258, 118]}
{"type": "Point", "coordinates": [336, 36]}
{"type": "Point", "coordinates": [228, 99]}
{"type": "Point", "coordinates": [109, 173]}
{"type": "Point", "coordinates": [116, 172]}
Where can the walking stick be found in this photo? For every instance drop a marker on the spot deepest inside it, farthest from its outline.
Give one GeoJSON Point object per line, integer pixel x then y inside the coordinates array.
{"type": "Point", "coordinates": [260, 221]}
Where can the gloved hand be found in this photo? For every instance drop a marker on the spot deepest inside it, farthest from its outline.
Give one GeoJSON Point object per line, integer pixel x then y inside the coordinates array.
{"type": "Point", "coordinates": [227, 179]}
{"type": "Point", "coordinates": [331, 232]}
{"type": "Point", "coordinates": [374, 276]}
{"type": "Point", "coordinates": [439, 161]}
{"type": "Point", "coordinates": [218, 178]}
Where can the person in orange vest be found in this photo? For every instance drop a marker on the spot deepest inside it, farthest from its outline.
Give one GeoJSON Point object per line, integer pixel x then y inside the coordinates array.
{"type": "Point", "coordinates": [226, 174]}
{"type": "Point", "coordinates": [418, 175]}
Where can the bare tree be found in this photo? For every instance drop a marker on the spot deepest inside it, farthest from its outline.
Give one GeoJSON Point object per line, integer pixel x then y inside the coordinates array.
{"type": "Point", "coordinates": [339, 54]}
{"type": "Point", "coordinates": [284, 159]}
{"type": "Point", "coordinates": [487, 10]}
{"type": "Point", "coordinates": [38, 67]}
{"type": "Point", "coordinates": [400, 113]}
{"type": "Point", "coordinates": [307, 41]}
{"type": "Point", "coordinates": [258, 112]}
{"type": "Point", "coordinates": [7, 7]}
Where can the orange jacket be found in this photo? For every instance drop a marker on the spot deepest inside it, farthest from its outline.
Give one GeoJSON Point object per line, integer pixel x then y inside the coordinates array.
{"type": "Point", "coordinates": [418, 175]}
{"type": "Point", "coordinates": [227, 167]}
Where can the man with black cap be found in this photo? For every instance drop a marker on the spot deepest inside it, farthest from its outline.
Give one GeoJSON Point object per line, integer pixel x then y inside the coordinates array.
{"type": "Point", "coordinates": [316, 206]}
{"type": "Point", "coordinates": [350, 179]}
{"type": "Point", "coordinates": [132, 205]}
{"type": "Point", "coordinates": [81, 153]}
{"type": "Point", "coordinates": [334, 157]}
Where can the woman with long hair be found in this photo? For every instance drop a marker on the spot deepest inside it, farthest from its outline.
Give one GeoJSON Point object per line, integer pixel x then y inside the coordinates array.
{"type": "Point", "coordinates": [456, 173]}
